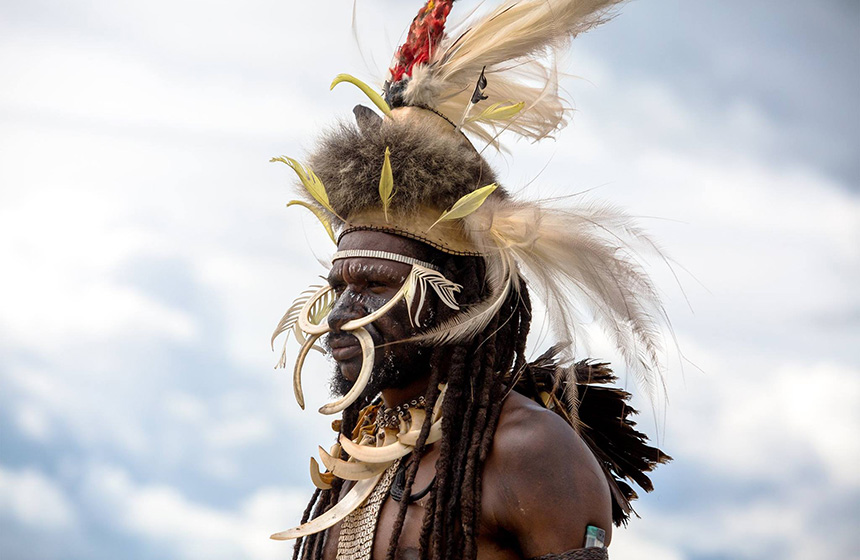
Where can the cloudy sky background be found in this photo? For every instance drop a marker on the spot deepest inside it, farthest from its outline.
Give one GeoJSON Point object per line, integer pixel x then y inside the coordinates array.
{"type": "Point", "coordinates": [147, 254]}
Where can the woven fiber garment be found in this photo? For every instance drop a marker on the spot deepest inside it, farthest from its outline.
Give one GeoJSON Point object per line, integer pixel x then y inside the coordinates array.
{"type": "Point", "coordinates": [359, 528]}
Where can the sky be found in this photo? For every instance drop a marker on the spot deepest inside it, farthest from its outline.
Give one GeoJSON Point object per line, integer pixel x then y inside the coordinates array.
{"type": "Point", "coordinates": [147, 255]}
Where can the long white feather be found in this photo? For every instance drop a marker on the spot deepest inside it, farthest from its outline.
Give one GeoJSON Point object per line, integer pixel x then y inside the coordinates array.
{"type": "Point", "coordinates": [515, 43]}
{"type": "Point", "coordinates": [581, 261]}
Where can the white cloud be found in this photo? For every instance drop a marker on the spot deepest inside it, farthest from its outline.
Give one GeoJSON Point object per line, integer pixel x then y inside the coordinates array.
{"type": "Point", "coordinates": [64, 246]}
{"type": "Point", "coordinates": [744, 420]}
{"type": "Point", "coordinates": [109, 416]}
{"type": "Point", "coordinates": [33, 421]}
{"type": "Point", "coordinates": [629, 545]}
{"type": "Point", "coordinates": [240, 432]}
{"type": "Point", "coordinates": [228, 424]}
{"type": "Point", "coordinates": [779, 526]}
{"type": "Point", "coordinates": [161, 514]}
{"type": "Point", "coordinates": [108, 88]}
{"type": "Point", "coordinates": [31, 498]}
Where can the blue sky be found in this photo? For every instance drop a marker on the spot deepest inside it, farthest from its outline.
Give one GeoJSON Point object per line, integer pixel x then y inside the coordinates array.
{"type": "Point", "coordinates": [147, 255]}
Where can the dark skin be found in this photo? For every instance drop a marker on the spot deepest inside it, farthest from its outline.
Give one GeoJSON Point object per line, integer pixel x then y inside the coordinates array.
{"type": "Point", "coordinates": [541, 485]}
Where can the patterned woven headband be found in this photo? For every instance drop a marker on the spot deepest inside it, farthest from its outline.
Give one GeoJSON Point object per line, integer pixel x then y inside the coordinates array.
{"type": "Point", "coordinates": [367, 253]}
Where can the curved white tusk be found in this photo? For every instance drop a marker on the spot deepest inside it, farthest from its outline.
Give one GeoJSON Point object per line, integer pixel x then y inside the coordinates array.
{"type": "Point", "coordinates": [368, 353]}
{"type": "Point", "coordinates": [369, 454]}
{"type": "Point", "coordinates": [403, 428]}
{"type": "Point", "coordinates": [297, 370]}
{"type": "Point", "coordinates": [389, 436]}
{"type": "Point", "coordinates": [317, 477]}
{"type": "Point", "coordinates": [437, 408]}
{"type": "Point", "coordinates": [417, 417]}
{"type": "Point", "coordinates": [297, 332]}
{"type": "Point", "coordinates": [411, 437]}
{"type": "Point", "coordinates": [367, 319]}
{"type": "Point", "coordinates": [304, 315]}
{"type": "Point", "coordinates": [344, 507]}
{"type": "Point", "coordinates": [351, 471]}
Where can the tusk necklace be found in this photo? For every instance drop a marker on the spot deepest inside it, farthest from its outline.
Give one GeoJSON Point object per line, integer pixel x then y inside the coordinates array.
{"type": "Point", "coordinates": [375, 450]}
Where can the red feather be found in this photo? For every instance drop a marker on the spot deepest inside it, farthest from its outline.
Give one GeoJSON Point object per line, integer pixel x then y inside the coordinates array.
{"type": "Point", "coordinates": [426, 31]}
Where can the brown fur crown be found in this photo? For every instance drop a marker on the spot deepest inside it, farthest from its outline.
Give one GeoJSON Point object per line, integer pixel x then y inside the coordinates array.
{"type": "Point", "coordinates": [429, 168]}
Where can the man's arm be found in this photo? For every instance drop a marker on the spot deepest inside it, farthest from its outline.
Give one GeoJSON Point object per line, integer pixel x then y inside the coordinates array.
{"type": "Point", "coordinates": [542, 485]}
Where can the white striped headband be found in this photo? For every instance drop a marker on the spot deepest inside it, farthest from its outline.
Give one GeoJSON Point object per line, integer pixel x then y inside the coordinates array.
{"type": "Point", "coordinates": [385, 255]}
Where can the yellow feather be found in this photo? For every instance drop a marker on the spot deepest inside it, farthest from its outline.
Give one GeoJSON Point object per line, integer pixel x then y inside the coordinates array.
{"type": "Point", "coordinates": [386, 184]}
{"type": "Point", "coordinates": [320, 216]}
{"type": "Point", "coordinates": [467, 204]}
{"type": "Point", "coordinates": [368, 91]}
{"type": "Point", "coordinates": [310, 180]}
{"type": "Point", "coordinates": [499, 112]}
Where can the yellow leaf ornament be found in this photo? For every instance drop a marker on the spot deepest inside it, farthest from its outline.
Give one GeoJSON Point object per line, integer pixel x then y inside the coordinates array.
{"type": "Point", "coordinates": [320, 216]}
{"type": "Point", "coordinates": [499, 112]}
{"type": "Point", "coordinates": [386, 184]}
{"type": "Point", "coordinates": [467, 204]}
{"type": "Point", "coordinates": [368, 91]}
{"type": "Point", "coordinates": [310, 180]}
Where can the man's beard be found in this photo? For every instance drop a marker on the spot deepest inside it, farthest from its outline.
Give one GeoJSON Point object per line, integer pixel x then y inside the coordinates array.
{"type": "Point", "coordinates": [387, 375]}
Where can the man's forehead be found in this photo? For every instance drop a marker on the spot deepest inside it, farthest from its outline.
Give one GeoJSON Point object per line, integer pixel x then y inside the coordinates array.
{"type": "Point", "coordinates": [386, 242]}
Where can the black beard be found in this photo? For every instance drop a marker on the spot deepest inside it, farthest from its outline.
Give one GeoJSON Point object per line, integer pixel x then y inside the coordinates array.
{"type": "Point", "coordinates": [387, 375]}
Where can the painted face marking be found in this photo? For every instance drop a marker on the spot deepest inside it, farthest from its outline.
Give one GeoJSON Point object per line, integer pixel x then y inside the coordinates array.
{"type": "Point", "coordinates": [367, 284]}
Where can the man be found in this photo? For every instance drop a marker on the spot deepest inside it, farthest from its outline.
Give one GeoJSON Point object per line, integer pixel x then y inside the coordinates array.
{"type": "Point", "coordinates": [450, 444]}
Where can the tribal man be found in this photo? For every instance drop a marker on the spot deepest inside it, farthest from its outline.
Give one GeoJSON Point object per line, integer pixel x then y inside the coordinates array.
{"type": "Point", "coordinates": [449, 444]}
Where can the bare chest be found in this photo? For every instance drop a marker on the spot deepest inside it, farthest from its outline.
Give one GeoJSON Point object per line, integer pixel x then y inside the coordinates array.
{"type": "Point", "coordinates": [409, 542]}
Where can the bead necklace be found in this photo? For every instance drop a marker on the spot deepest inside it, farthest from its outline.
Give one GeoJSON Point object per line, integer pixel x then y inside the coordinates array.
{"type": "Point", "coordinates": [390, 417]}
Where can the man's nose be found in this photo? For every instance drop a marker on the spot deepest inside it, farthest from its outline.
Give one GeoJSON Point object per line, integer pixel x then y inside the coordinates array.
{"type": "Point", "coordinates": [346, 308]}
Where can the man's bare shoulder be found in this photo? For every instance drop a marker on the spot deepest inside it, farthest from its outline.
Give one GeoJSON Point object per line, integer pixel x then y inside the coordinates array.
{"type": "Point", "coordinates": [527, 431]}
{"type": "Point", "coordinates": [542, 485]}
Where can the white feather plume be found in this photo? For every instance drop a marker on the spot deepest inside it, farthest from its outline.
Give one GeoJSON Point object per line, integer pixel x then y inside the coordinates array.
{"type": "Point", "coordinates": [581, 261]}
{"type": "Point", "coordinates": [514, 45]}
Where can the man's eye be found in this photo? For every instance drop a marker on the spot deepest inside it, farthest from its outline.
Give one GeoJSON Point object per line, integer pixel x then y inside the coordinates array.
{"type": "Point", "coordinates": [377, 286]}
{"type": "Point", "coordinates": [337, 287]}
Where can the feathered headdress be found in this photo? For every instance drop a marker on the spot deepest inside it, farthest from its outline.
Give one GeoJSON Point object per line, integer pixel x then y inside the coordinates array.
{"type": "Point", "coordinates": [414, 173]}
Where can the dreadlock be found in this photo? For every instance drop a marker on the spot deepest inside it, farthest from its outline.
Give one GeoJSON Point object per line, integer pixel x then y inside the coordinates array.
{"type": "Point", "coordinates": [475, 374]}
